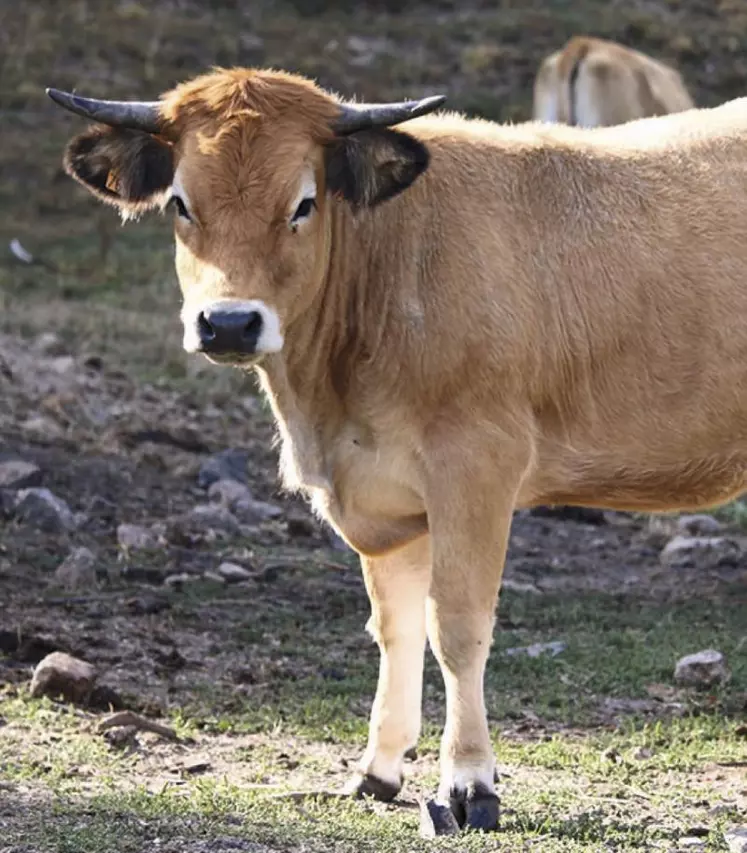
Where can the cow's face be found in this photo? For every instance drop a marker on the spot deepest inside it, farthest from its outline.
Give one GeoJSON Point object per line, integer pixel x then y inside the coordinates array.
{"type": "Point", "coordinates": [252, 170]}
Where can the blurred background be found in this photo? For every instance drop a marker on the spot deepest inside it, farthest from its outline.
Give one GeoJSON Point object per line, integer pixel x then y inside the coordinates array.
{"type": "Point", "coordinates": [482, 53]}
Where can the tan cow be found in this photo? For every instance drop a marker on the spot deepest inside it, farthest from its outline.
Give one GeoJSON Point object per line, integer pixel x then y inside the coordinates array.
{"type": "Point", "coordinates": [452, 320]}
{"type": "Point", "coordinates": [593, 83]}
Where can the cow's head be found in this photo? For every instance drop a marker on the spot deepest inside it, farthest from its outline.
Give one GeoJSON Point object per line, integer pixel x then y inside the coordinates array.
{"type": "Point", "coordinates": [250, 162]}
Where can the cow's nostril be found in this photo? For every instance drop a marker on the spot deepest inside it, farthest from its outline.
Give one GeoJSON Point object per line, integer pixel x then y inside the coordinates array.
{"type": "Point", "coordinates": [206, 331]}
{"type": "Point", "coordinates": [253, 327]}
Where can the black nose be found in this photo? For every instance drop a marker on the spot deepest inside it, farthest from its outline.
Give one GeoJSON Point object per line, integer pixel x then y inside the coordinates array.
{"type": "Point", "coordinates": [228, 329]}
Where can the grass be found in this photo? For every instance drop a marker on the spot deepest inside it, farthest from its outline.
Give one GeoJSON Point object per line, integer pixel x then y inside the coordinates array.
{"type": "Point", "coordinates": [575, 776]}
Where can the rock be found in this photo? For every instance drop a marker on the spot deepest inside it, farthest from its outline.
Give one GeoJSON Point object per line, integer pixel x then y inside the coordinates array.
{"type": "Point", "coordinates": [736, 839]}
{"type": "Point", "coordinates": [42, 427]}
{"type": "Point", "coordinates": [520, 586]}
{"type": "Point", "coordinates": [702, 669]}
{"type": "Point", "coordinates": [256, 512]}
{"type": "Point", "coordinates": [18, 474]}
{"type": "Point", "coordinates": [229, 464]}
{"type": "Point", "coordinates": [77, 570]}
{"type": "Point", "coordinates": [699, 525]}
{"type": "Point", "coordinates": [133, 537]}
{"type": "Point", "coordinates": [180, 579]}
{"type": "Point", "coordinates": [536, 649]}
{"type": "Point", "coordinates": [44, 510]}
{"type": "Point", "coordinates": [202, 523]}
{"type": "Point", "coordinates": [643, 753]}
{"type": "Point", "coordinates": [229, 492]}
{"type": "Point", "coordinates": [49, 343]}
{"type": "Point", "coordinates": [691, 843]}
{"type": "Point", "coordinates": [213, 576]}
{"type": "Point", "coordinates": [682, 550]}
{"type": "Point", "coordinates": [232, 572]}
{"type": "Point", "coordinates": [237, 498]}
{"type": "Point", "coordinates": [62, 674]}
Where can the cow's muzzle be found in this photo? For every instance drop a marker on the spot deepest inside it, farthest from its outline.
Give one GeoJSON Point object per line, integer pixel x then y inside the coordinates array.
{"type": "Point", "coordinates": [233, 331]}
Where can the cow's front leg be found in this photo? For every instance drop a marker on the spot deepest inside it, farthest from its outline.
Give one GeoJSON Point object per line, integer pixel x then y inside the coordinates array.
{"type": "Point", "coordinates": [470, 518]}
{"type": "Point", "coordinates": [397, 587]}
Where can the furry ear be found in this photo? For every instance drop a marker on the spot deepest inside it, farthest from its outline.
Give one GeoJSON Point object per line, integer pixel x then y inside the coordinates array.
{"type": "Point", "coordinates": [374, 165]}
{"type": "Point", "coordinates": [127, 168]}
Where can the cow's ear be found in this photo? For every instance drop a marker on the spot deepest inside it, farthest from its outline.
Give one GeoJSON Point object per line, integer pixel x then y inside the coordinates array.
{"type": "Point", "coordinates": [127, 168]}
{"type": "Point", "coordinates": [371, 166]}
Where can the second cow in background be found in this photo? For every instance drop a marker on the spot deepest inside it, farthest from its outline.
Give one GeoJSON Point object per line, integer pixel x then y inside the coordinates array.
{"type": "Point", "coordinates": [594, 83]}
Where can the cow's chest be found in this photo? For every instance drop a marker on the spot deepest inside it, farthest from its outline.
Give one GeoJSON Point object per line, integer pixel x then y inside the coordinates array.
{"type": "Point", "coordinates": [366, 484]}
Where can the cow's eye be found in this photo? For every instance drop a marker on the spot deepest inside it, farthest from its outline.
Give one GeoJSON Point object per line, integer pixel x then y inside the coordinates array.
{"type": "Point", "coordinates": [180, 207]}
{"type": "Point", "coordinates": [303, 211]}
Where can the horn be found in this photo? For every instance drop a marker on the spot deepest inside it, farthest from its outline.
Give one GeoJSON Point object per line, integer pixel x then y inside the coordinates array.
{"type": "Point", "coordinates": [137, 115]}
{"type": "Point", "coordinates": [355, 117]}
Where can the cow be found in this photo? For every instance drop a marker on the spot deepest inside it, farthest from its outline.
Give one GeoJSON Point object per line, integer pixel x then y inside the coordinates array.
{"type": "Point", "coordinates": [595, 83]}
{"type": "Point", "coordinates": [451, 319]}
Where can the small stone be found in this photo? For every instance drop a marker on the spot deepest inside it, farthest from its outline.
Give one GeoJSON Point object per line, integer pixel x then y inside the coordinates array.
{"type": "Point", "coordinates": [214, 577]}
{"type": "Point", "coordinates": [228, 493]}
{"type": "Point", "coordinates": [521, 587]}
{"type": "Point", "coordinates": [77, 570]}
{"type": "Point", "coordinates": [203, 523]}
{"type": "Point", "coordinates": [643, 753]}
{"type": "Point", "coordinates": [736, 839]}
{"type": "Point", "coordinates": [19, 474]}
{"type": "Point", "coordinates": [229, 464]}
{"type": "Point", "coordinates": [699, 525]}
{"type": "Point", "coordinates": [213, 517]}
{"type": "Point", "coordinates": [691, 843]}
{"type": "Point", "coordinates": [256, 512]}
{"type": "Point", "coordinates": [180, 579]}
{"type": "Point", "coordinates": [133, 537]}
{"type": "Point", "coordinates": [681, 549]}
{"type": "Point", "coordinates": [62, 674]}
{"type": "Point", "coordinates": [42, 427]}
{"type": "Point", "coordinates": [44, 510]}
{"type": "Point", "coordinates": [702, 669]}
{"type": "Point", "coordinates": [232, 572]}
{"type": "Point", "coordinates": [536, 649]}
{"type": "Point", "coordinates": [49, 343]}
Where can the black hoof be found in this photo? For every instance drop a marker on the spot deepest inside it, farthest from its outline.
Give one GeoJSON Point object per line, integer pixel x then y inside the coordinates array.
{"type": "Point", "coordinates": [476, 808]}
{"type": "Point", "coordinates": [370, 786]}
{"type": "Point", "coordinates": [436, 819]}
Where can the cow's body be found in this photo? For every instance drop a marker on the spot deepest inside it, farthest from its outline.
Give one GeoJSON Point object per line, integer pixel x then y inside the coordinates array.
{"type": "Point", "coordinates": [547, 314]}
{"type": "Point", "coordinates": [593, 83]}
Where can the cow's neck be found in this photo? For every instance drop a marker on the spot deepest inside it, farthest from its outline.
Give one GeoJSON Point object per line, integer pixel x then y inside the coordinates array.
{"type": "Point", "coordinates": [348, 340]}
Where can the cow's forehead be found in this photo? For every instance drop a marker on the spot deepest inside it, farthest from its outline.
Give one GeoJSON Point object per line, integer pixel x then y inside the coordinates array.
{"type": "Point", "coordinates": [251, 160]}
{"type": "Point", "coordinates": [214, 99]}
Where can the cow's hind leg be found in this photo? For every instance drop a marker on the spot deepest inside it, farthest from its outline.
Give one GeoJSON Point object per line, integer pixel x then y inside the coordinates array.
{"type": "Point", "coordinates": [397, 586]}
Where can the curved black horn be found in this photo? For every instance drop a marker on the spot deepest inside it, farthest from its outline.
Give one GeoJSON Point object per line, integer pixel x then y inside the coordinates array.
{"type": "Point", "coordinates": [355, 117]}
{"type": "Point", "coordinates": [137, 115]}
